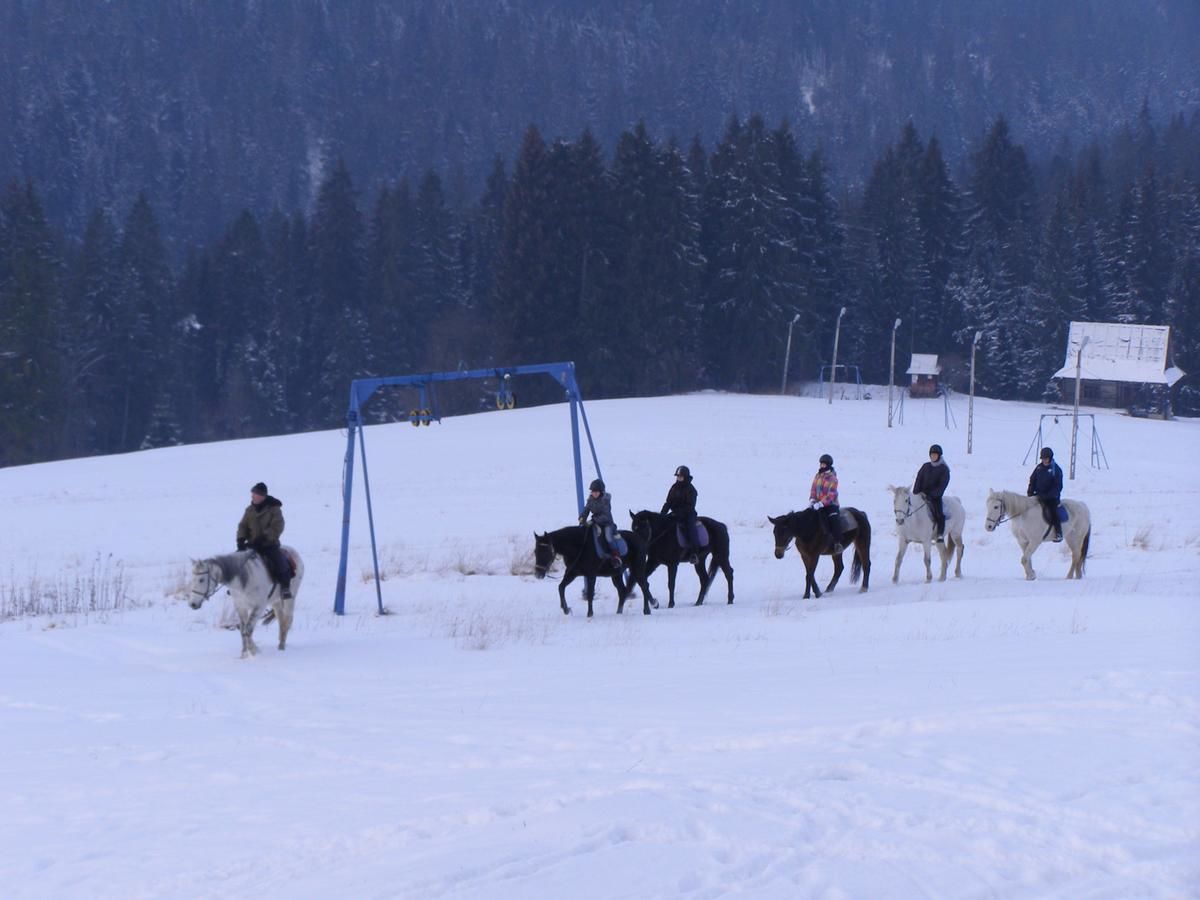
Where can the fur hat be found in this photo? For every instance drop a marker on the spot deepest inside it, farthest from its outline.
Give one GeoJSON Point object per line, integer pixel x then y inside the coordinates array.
{"type": "Point", "coordinates": [260, 489]}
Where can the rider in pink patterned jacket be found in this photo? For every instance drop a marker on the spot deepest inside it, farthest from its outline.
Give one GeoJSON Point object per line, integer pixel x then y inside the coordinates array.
{"type": "Point", "coordinates": [823, 496]}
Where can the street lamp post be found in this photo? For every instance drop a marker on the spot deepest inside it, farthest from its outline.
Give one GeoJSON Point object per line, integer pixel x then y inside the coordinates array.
{"type": "Point", "coordinates": [892, 372]}
{"type": "Point", "coordinates": [833, 370]}
{"type": "Point", "coordinates": [971, 401]}
{"type": "Point", "coordinates": [787, 354]}
{"type": "Point", "coordinates": [1075, 413]}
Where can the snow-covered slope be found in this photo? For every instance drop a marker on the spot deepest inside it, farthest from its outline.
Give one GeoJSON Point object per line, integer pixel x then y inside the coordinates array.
{"type": "Point", "coordinates": [989, 737]}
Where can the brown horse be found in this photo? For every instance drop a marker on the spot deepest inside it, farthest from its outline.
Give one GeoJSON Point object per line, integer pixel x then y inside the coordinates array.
{"type": "Point", "coordinates": [812, 542]}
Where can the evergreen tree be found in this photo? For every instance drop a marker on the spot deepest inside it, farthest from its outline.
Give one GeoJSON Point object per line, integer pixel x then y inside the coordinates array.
{"type": "Point", "coordinates": [31, 376]}
{"type": "Point", "coordinates": [1183, 306]}
{"type": "Point", "coordinates": [656, 267]}
{"type": "Point", "coordinates": [338, 343]}
{"type": "Point", "coordinates": [749, 281]}
{"type": "Point", "coordinates": [87, 330]}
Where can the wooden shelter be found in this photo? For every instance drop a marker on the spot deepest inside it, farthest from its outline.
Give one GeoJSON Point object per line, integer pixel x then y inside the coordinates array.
{"type": "Point", "coordinates": [924, 369]}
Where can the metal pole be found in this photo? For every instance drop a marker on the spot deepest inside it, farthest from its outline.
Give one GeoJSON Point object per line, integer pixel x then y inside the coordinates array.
{"type": "Point", "coordinates": [892, 372]}
{"type": "Point", "coordinates": [971, 398]}
{"type": "Point", "coordinates": [833, 371]}
{"type": "Point", "coordinates": [787, 354]}
{"type": "Point", "coordinates": [1075, 413]}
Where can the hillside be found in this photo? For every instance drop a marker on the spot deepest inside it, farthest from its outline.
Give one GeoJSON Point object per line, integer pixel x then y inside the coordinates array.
{"type": "Point", "coordinates": [983, 737]}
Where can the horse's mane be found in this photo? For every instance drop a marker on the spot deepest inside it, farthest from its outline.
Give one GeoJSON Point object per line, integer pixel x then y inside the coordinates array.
{"type": "Point", "coordinates": [232, 565]}
{"type": "Point", "coordinates": [1014, 497]}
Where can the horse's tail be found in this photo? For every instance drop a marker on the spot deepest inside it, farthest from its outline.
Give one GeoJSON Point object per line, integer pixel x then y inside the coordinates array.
{"type": "Point", "coordinates": [864, 536]}
{"type": "Point", "coordinates": [1087, 539]}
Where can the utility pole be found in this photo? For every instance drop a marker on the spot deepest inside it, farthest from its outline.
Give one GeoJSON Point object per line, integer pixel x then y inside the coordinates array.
{"type": "Point", "coordinates": [892, 372]}
{"type": "Point", "coordinates": [787, 354]}
{"type": "Point", "coordinates": [1075, 414]}
{"type": "Point", "coordinates": [971, 401]}
{"type": "Point", "coordinates": [833, 371]}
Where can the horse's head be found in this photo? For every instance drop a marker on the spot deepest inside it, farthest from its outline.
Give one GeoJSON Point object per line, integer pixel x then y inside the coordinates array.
{"type": "Point", "coordinates": [996, 513]}
{"type": "Point", "coordinates": [642, 524]}
{"type": "Point", "coordinates": [205, 581]}
{"type": "Point", "coordinates": [901, 503]}
{"type": "Point", "coordinates": [543, 554]}
{"type": "Point", "coordinates": [784, 532]}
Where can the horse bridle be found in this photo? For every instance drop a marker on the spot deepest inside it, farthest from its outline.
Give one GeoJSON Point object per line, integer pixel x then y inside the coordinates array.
{"type": "Point", "coordinates": [208, 582]}
{"type": "Point", "coordinates": [1004, 517]}
{"type": "Point", "coordinates": [910, 511]}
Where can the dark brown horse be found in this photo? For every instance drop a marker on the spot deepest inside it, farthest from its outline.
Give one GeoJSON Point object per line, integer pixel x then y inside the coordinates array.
{"type": "Point", "coordinates": [662, 548]}
{"type": "Point", "coordinates": [813, 542]}
{"type": "Point", "coordinates": [577, 546]}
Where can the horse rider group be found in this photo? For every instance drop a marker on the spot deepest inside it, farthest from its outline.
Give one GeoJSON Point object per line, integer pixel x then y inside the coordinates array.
{"type": "Point", "coordinates": [680, 505]}
{"type": "Point", "coordinates": [1045, 483]}
{"type": "Point", "coordinates": [262, 522]}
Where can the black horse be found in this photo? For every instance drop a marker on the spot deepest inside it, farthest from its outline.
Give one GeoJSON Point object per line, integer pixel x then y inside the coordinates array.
{"type": "Point", "coordinates": [813, 541]}
{"type": "Point", "coordinates": [577, 546]}
{"type": "Point", "coordinates": [662, 549]}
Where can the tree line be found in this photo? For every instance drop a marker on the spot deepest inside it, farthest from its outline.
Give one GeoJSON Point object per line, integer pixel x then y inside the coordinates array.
{"type": "Point", "coordinates": [659, 268]}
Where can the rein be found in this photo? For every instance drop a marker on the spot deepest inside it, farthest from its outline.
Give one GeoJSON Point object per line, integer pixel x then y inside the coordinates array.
{"type": "Point", "coordinates": [911, 512]}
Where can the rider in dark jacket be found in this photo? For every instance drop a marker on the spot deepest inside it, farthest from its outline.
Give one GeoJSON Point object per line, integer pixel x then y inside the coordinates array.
{"type": "Point", "coordinates": [1046, 483]}
{"type": "Point", "coordinates": [681, 504]}
{"type": "Point", "coordinates": [932, 481]}
{"type": "Point", "coordinates": [260, 529]}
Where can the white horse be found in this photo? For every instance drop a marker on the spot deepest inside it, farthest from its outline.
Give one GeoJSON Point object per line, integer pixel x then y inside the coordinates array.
{"type": "Point", "coordinates": [914, 524]}
{"type": "Point", "coordinates": [1030, 528]}
{"type": "Point", "coordinates": [251, 587]}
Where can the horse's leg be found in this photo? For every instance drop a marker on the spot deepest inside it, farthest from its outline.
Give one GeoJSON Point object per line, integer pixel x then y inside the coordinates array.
{"type": "Point", "coordinates": [249, 648]}
{"type": "Point", "coordinates": [838, 568]}
{"type": "Point", "coordinates": [672, 567]}
{"type": "Point", "coordinates": [567, 578]}
{"type": "Point", "coordinates": [284, 614]}
{"type": "Point", "coordinates": [702, 574]}
{"type": "Point", "coordinates": [1027, 549]}
{"type": "Point", "coordinates": [927, 547]}
{"type": "Point", "coordinates": [958, 555]}
{"type": "Point", "coordinates": [945, 550]}
{"type": "Point", "coordinates": [810, 573]}
{"type": "Point", "coordinates": [590, 590]}
{"type": "Point", "coordinates": [618, 580]}
{"type": "Point", "coordinates": [728, 570]}
{"type": "Point", "coordinates": [900, 551]}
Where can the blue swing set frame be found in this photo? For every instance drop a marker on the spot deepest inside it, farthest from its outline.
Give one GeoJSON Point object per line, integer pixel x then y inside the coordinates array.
{"type": "Point", "coordinates": [361, 390]}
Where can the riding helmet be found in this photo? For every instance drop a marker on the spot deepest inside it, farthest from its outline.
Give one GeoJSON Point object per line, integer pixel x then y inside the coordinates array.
{"type": "Point", "coordinates": [826, 459]}
{"type": "Point", "coordinates": [597, 485]}
{"type": "Point", "coordinates": [684, 471]}
{"type": "Point", "coordinates": [936, 448]}
{"type": "Point", "coordinates": [1046, 453]}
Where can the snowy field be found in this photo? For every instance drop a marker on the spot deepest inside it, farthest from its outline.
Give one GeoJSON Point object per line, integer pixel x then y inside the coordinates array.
{"type": "Point", "coordinates": [982, 738]}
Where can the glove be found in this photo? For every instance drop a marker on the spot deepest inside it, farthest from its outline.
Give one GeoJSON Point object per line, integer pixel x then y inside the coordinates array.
{"type": "Point", "coordinates": [583, 520]}
{"type": "Point", "coordinates": [241, 543]}
{"type": "Point", "coordinates": [816, 504]}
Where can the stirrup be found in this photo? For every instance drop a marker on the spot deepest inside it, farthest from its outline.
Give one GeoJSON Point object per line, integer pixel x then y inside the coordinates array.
{"type": "Point", "coordinates": [1058, 538]}
{"type": "Point", "coordinates": [285, 593]}
{"type": "Point", "coordinates": [837, 547]}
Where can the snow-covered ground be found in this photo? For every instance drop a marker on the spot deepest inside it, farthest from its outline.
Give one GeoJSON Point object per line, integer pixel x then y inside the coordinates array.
{"type": "Point", "coordinates": [988, 737]}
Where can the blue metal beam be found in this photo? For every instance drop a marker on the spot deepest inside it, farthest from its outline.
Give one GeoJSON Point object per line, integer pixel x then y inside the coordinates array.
{"type": "Point", "coordinates": [361, 391]}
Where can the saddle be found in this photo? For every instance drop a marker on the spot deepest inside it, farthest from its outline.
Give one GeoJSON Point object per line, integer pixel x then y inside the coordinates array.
{"type": "Point", "coordinates": [700, 534]}
{"type": "Point", "coordinates": [1060, 510]}
{"type": "Point", "coordinates": [847, 521]}
{"type": "Point", "coordinates": [618, 542]}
